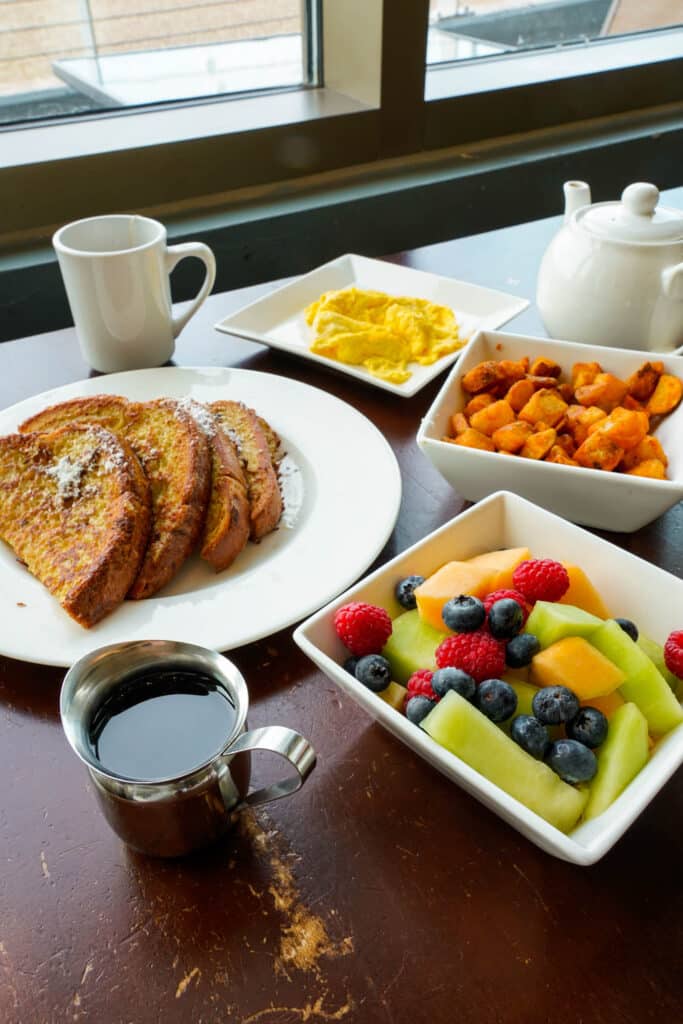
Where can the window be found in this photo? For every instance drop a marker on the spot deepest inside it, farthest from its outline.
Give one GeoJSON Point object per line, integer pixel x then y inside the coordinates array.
{"type": "Point", "coordinates": [463, 29]}
{"type": "Point", "coordinates": [64, 57]}
{"type": "Point", "coordinates": [160, 125]}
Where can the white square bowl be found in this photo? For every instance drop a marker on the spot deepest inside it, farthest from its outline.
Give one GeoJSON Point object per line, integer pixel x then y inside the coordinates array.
{"type": "Point", "coordinates": [278, 319]}
{"type": "Point", "coordinates": [608, 501]}
{"type": "Point", "coordinates": [653, 599]}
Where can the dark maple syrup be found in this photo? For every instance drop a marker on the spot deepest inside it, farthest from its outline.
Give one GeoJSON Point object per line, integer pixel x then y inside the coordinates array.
{"type": "Point", "coordinates": [162, 724]}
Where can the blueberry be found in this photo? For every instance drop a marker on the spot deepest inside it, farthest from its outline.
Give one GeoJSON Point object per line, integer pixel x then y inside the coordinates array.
{"type": "Point", "coordinates": [445, 679]}
{"type": "Point", "coordinates": [629, 627]}
{"type": "Point", "coordinates": [350, 664]}
{"type": "Point", "coordinates": [496, 699]}
{"type": "Point", "coordinates": [463, 614]}
{"type": "Point", "coordinates": [521, 649]}
{"type": "Point", "coordinates": [588, 727]}
{"type": "Point", "coordinates": [554, 704]}
{"type": "Point", "coordinates": [506, 618]}
{"type": "Point", "coordinates": [571, 760]}
{"type": "Point", "coordinates": [405, 591]}
{"type": "Point", "coordinates": [530, 734]}
{"type": "Point", "coordinates": [373, 671]}
{"type": "Point", "coordinates": [418, 708]}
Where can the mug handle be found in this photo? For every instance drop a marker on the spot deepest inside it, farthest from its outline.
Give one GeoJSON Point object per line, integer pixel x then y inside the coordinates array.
{"type": "Point", "coordinates": [176, 253]}
{"type": "Point", "coordinates": [288, 744]}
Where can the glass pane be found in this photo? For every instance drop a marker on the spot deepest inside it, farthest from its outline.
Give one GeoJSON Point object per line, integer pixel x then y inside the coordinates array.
{"type": "Point", "coordinates": [460, 29]}
{"type": "Point", "coordinates": [70, 56]}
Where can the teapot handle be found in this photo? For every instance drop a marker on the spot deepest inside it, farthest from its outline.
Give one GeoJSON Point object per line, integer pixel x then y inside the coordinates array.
{"type": "Point", "coordinates": [672, 281]}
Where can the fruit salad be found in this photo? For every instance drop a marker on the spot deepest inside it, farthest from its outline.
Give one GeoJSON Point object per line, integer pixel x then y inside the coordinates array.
{"type": "Point", "coordinates": [515, 665]}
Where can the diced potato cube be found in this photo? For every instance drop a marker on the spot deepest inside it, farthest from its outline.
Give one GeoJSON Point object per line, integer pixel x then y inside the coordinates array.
{"type": "Point", "coordinates": [629, 402]}
{"type": "Point", "coordinates": [545, 368]}
{"type": "Point", "coordinates": [580, 419]}
{"type": "Point", "coordinates": [559, 455]}
{"type": "Point", "coordinates": [492, 417]}
{"type": "Point", "coordinates": [567, 443]}
{"type": "Point", "coordinates": [472, 438]}
{"type": "Point", "coordinates": [513, 371]}
{"type": "Point", "coordinates": [623, 426]}
{"type": "Point", "coordinates": [653, 468]}
{"type": "Point", "coordinates": [649, 448]}
{"type": "Point", "coordinates": [512, 436]}
{"type": "Point", "coordinates": [459, 423]}
{"type": "Point", "coordinates": [477, 403]}
{"type": "Point", "coordinates": [584, 373]}
{"type": "Point", "coordinates": [520, 393]}
{"type": "Point", "coordinates": [538, 445]}
{"type": "Point", "coordinates": [642, 383]}
{"type": "Point", "coordinates": [484, 377]}
{"type": "Point", "coordinates": [599, 452]}
{"type": "Point", "coordinates": [606, 392]}
{"type": "Point", "coordinates": [665, 396]}
{"type": "Point", "coordinates": [567, 392]}
{"type": "Point", "coordinates": [541, 382]}
{"type": "Point", "coordinates": [546, 405]}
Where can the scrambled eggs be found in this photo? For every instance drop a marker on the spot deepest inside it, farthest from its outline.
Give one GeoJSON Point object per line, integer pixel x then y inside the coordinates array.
{"type": "Point", "coordinates": [382, 333]}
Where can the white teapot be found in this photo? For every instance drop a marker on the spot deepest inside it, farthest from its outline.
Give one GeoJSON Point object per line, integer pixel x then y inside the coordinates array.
{"type": "Point", "coordinates": [613, 275]}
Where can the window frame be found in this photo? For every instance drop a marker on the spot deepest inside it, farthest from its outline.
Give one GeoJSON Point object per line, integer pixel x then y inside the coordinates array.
{"type": "Point", "coordinates": [194, 155]}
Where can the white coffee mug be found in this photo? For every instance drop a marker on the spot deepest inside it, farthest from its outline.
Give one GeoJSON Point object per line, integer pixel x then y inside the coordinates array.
{"type": "Point", "coordinates": [116, 273]}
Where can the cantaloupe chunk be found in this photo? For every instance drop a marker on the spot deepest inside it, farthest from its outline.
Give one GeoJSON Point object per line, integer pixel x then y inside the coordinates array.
{"type": "Point", "coordinates": [582, 593]}
{"type": "Point", "coordinates": [574, 663]}
{"type": "Point", "coordinates": [451, 580]}
{"type": "Point", "coordinates": [502, 565]}
{"type": "Point", "coordinates": [608, 704]}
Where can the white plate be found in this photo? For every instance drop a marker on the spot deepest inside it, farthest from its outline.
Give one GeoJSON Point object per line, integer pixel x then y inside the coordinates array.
{"type": "Point", "coordinates": [607, 501]}
{"type": "Point", "coordinates": [652, 598]}
{"type": "Point", "coordinates": [336, 456]}
{"type": "Point", "coordinates": [278, 318]}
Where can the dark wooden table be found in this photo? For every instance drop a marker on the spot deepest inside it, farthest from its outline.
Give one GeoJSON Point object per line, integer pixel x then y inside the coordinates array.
{"type": "Point", "coordinates": [381, 892]}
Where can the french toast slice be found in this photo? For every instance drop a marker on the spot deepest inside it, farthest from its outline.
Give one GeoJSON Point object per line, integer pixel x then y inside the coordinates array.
{"type": "Point", "coordinates": [75, 508]}
{"type": "Point", "coordinates": [175, 457]}
{"type": "Point", "coordinates": [242, 426]}
{"type": "Point", "coordinates": [226, 527]}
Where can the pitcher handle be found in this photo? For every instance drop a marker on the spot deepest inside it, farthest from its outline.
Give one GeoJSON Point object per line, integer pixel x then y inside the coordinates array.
{"type": "Point", "coordinates": [288, 744]}
{"type": "Point", "coordinates": [176, 253]}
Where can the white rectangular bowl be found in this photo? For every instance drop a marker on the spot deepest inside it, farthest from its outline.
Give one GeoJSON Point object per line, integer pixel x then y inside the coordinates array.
{"type": "Point", "coordinates": [608, 501]}
{"type": "Point", "coordinates": [653, 599]}
{"type": "Point", "coordinates": [278, 319]}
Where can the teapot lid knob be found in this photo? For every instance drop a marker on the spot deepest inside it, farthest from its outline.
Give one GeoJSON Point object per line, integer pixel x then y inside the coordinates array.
{"type": "Point", "coordinates": [640, 199]}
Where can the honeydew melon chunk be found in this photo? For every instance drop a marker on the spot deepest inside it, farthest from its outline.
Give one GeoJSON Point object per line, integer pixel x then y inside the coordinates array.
{"type": "Point", "coordinates": [574, 662]}
{"type": "Point", "coordinates": [620, 758]}
{"type": "Point", "coordinates": [501, 564]}
{"type": "Point", "coordinates": [411, 646]}
{"type": "Point", "coordinates": [644, 685]}
{"type": "Point", "coordinates": [655, 653]}
{"type": "Point", "coordinates": [457, 725]}
{"type": "Point", "coordinates": [451, 580]}
{"type": "Point", "coordinates": [550, 621]}
{"type": "Point", "coordinates": [394, 695]}
{"type": "Point", "coordinates": [582, 593]}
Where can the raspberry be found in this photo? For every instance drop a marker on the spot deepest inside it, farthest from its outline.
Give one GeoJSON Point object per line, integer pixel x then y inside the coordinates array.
{"type": "Point", "coordinates": [363, 628]}
{"type": "Point", "coordinates": [673, 653]}
{"type": "Point", "coordinates": [420, 685]}
{"type": "Point", "coordinates": [514, 595]}
{"type": "Point", "coordinates": [478, 654]}
{"type": "Point", "coordinates": [541, 579]}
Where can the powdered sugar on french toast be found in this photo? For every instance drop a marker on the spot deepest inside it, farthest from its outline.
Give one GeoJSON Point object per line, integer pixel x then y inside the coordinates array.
{"type": "Point", "coordinates": [292, 489]}
{"type": "Point", "coordinates": [67, 474]}
{"type": "Point", "coordinates": [202, 416]}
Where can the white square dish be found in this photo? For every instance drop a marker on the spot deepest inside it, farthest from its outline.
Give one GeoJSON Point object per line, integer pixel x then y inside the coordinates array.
{"type": "Point", "coordinates": [608, 501]}
{"type": "Point", "coordinates": [501, 521]}
{"type": "Point", "coordinates": [278, 318]}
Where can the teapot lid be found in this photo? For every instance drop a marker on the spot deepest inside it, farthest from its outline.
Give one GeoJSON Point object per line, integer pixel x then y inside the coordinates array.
{"type": "Point", "coordinates": [637, 218]}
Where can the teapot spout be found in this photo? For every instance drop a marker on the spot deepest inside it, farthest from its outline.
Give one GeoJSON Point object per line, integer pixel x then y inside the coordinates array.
{"type": "Point", "coordinates": [576, 195]}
